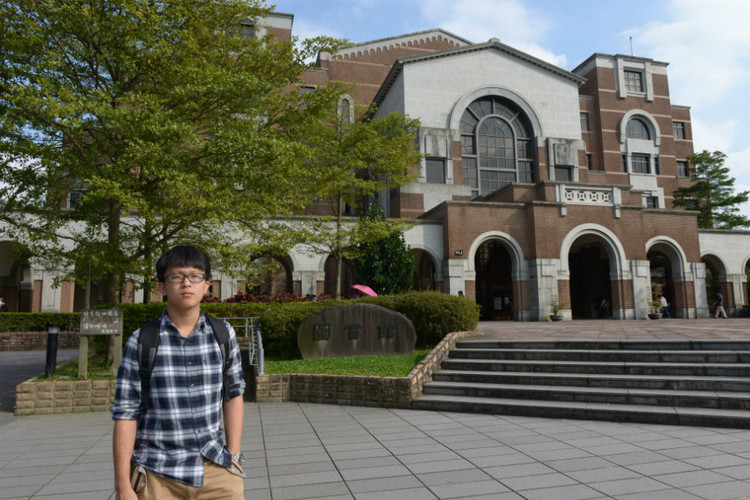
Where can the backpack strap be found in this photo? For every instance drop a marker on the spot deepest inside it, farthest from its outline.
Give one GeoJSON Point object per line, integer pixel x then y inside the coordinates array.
{"type": "Point", "coordinates": [221, 333]}
{"type": "Point", "coordinates": [148, 343]}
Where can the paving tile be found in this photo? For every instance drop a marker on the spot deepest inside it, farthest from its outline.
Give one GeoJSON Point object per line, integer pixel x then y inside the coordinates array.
{"type": "Point", "coordinates": [572, 492]}
{"type": "Point", "coordinates": [692, 478]}
{"type": "Point", "coordinates": [538, 481]}
{"type": "Point", "coordinates": [737, 472]}
{"type": "Point", "coordinates": [470, 490]}
{"type": "Point", "coordinates": [384, 484]}
{"type": "Point", "coordinates": [375, 472]}
{"type": "Point", "coordinates": [723, 491]}
{"type": "Point", "coordinates": [410, 494]}
{"type": "Point", "coordinates": [520, 470]}
{"type": "Point", "coordinates": [605, 474]}
{"type": "Point", "coordinates": [665, 467]}
{"type": "Point", "coordinates": [628, 486]}
{"type": "Point", "coordinates": [466, 477]}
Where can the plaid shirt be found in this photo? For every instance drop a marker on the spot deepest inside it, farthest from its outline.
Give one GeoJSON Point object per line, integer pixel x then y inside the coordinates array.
{"type": "Point", "coordinates": [182, 426]}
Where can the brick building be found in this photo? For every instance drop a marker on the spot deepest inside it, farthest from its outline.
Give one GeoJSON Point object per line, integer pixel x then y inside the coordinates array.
{"type": "Point", "coordinates": [540, 185]}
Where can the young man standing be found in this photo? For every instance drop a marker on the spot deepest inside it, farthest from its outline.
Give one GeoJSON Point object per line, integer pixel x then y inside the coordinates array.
{"type": "Point", "coordinates": [174, 448]}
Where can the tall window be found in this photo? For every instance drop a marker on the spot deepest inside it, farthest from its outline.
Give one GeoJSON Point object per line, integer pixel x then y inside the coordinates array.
{"type": "Point", "coordinates": [585, 122]}
{"type": "Point", "coordinates": [682, 169]}
{"type": "Point", "coordinates": [633, 81]}
{"type": "Point", "coordinates": [639, 164]}
{"type": "Point", "coordinates": [496, 145]}
{"type": "Point", "coordinates": [679, 130]}
{"type": "Point", "coordinates": [435, 170]}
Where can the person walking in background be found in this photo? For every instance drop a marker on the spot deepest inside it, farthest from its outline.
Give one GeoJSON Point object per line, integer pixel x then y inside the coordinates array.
{"type": "Point", "coordinates": [719, 305]}
{"type": "Point", "coordinates": [167, 442]}
{"type": "Point", "coordinates": [3, 305]}
{"type": "Point", "coordinates": [664, 306]}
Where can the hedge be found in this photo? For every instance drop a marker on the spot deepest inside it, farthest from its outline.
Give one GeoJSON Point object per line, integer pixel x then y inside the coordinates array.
{"type": "Point", "coordinates": [38, 322]}
{"type": "Point", "coordinates": [433, 314]}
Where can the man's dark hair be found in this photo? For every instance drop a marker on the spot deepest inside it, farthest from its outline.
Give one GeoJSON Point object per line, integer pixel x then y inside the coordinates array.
{"type": "Point", "coordinates": [183, 256]}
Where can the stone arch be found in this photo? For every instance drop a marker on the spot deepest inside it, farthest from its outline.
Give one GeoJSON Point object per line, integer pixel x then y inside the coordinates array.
{"type": "Point", "coordinates": [673, 249]}
{"type": "Point", "coordinates": [276, 276]}
{"type": "Point", "coordinates": [464, 101]}
{"type": "Point", "coordinates": [426, 268]}
{"type": "Point", "coordinates": [668, 273]}
{"type": "Point", "coordinates": [16, 284]}
{"type": "Point", "coordinates": [592, 261]}
{"type": "Point", "coordinates": [613, 247]}
{"type": "Point", "coordinates": [520, 269]}
{"type": "Point", "coordinates": [496, 264]}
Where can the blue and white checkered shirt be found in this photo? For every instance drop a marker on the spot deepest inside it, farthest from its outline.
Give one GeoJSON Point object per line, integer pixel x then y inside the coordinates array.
{"type": "Point", "coordinates": [182, 426]}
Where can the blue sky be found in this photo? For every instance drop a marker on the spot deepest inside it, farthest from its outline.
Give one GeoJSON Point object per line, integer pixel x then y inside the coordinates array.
{"type": "Point", "coordinates": [706, 43]}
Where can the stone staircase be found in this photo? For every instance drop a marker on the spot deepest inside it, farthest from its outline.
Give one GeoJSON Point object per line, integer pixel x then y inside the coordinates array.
{"type": "Point", "coordinates": [686, 382]}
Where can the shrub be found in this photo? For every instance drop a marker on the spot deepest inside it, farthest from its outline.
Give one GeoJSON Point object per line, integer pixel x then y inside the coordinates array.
{"type": "Point", "coordinates": [37, 322]}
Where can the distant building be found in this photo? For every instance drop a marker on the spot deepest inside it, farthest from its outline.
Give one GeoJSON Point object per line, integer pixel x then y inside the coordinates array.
{"type": "Point", "coordinates": [540, 184]}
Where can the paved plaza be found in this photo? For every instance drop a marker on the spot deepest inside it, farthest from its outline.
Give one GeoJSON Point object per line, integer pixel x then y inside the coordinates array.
{"type": "Point", "coordinates": [296, 450]}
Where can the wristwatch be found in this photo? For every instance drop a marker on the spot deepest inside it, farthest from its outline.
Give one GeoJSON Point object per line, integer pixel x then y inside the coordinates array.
{"type": "Point", "coordinates": [239, 458]}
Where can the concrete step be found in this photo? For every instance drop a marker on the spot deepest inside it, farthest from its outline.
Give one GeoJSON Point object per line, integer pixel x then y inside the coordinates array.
{"type": "Point", "coordinates": [690, 382]}
{"type": "Point", "coordinates": [652, 397]}
{"type": "Point", "coordinates": [666, 382]}
{"type": "Point", "coordinates": [599, 367]}
{"type": "Point", "coordinates": [643, 356]}
{"type": "Point", "coordinates": [668, 415]}
{"type": "Point", "coordinates": [676, 344]}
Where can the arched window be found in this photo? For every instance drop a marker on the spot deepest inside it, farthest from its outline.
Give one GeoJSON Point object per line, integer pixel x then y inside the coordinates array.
{"type": "Point", "coordinates": [496, 145]}
{"type": "Point", "coordinates": [637, 129]}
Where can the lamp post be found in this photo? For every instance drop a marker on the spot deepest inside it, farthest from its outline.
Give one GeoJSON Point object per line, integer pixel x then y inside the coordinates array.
{"type": "Point", "coordinates": [52, 335]}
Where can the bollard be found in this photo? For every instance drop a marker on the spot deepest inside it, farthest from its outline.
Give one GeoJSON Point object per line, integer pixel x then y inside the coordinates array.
{"type": "Point", "coordinates": [52, 334]}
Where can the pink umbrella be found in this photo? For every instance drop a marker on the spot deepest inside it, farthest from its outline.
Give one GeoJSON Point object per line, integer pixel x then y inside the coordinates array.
{"type": "Point", "coordinates": [365, 289]}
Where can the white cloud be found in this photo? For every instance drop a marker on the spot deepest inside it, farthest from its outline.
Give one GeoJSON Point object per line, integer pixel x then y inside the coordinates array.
{"type": "Point", "coordinates": [707, 45]}
{"type": "Point", "coordinates": [713, 136]}
{"type": "Point", "coordinates": [511, 21]}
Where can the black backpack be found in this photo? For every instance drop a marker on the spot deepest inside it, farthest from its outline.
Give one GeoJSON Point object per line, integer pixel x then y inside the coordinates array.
{"type": "Point", "coordinates": [148, 343]}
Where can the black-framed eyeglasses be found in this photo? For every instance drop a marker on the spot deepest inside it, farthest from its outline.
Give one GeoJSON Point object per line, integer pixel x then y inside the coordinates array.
{"type": "Point", "coordinates": [180, 278]}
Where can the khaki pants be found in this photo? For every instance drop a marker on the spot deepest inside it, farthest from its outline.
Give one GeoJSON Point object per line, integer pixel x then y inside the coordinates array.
{"type": "Point", "coordinates": [218, 484]}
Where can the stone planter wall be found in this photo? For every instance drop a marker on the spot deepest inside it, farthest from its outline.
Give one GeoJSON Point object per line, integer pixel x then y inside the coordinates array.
{"type": "Point", "coordinates": [35, 341]}
{"type": "Point", "coordinates": [64, 396]}
{"type": "Point", "coordinates": [390, 392]}
{"type": "Point", "coordinates": [387, 392]}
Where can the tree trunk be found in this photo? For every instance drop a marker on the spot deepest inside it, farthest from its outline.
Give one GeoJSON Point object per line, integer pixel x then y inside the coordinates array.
{"type": "Point", "coordinates": [339, 254]}
{"type": "Point", "coordinates": [112, 280]}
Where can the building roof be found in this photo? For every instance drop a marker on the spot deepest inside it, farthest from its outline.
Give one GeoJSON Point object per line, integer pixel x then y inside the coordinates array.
{"type": "Point", "coordinates": [492, 44]}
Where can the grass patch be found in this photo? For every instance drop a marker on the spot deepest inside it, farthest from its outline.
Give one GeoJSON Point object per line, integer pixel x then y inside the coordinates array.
{"type": "Point", "coordinates": [98, 370]}
{"type": "Point", "coordinates": [362, 366]}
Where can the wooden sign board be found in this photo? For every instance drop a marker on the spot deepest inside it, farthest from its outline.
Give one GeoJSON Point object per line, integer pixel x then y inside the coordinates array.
{"type": "Point", "coordinates": [100, 322]}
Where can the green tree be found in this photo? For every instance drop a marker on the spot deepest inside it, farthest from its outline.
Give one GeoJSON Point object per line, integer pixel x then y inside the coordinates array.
{"type": "Point", "coordinates": [356, 161]}
{"type": "Point", "coordinates": [386, 265]}
{"type": "Point", "coordinates": [162, 120]}
{"type": "Point", "coordinates": [712, 193]}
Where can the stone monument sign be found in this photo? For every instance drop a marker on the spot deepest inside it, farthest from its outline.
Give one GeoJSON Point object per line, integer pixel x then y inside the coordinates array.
{"type": "Point", "coordinates": [355, 330]}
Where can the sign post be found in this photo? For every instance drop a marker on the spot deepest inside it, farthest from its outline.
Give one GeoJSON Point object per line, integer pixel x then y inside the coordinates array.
{"type": "Point", "coordinates": [100, 322]}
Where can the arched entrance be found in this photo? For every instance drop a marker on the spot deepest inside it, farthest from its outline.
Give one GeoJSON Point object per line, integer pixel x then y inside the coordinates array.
{"type": "Point", "coordinates": [275, 277]}
{"type": "Point", "coordinates": [588, 262]}
{"type": "Point", "coordinates": [662, 280]}
{"type": "Point", "coordinates": [715, 276]}
{"type": "Point", "coordinates": [494, 283]}
{"type": "Point", "coordinates": [15, 277]}
{"type": "Point", "coordinates": [424, 270]}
